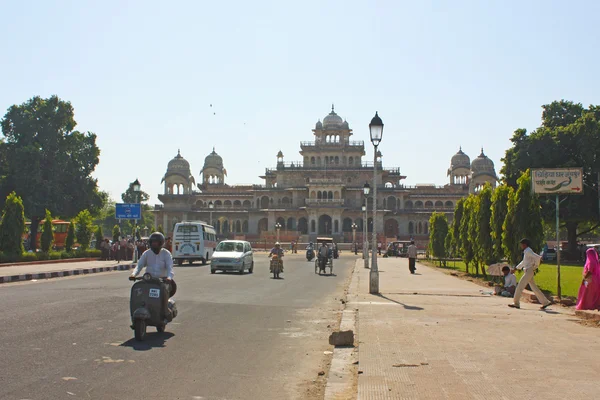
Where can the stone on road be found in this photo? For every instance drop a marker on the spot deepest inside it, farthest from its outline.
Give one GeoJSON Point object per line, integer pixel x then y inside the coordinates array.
{"type": "Point", "coordinates": [236, 337]}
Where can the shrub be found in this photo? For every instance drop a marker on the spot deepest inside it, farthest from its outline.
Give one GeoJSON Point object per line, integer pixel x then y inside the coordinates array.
{"type": "Point", "coordinates": [99, 237]}
{"type": "Point", "coordinates": [47, 233]}
{"type": "Point", "coordinates": [12, 226]}
{"type": "Point", "coordinates": [70, 238]}
{"type": "Point", "coordinates": [84, 229]}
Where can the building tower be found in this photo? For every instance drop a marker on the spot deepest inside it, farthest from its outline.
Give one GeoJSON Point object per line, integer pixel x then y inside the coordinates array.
{"type": "Point", "coordinates": [482, 171]}
{"type": "Point", "coordinates": [460, 169]}
{"type": "Point", "coordinates": [178, 179]}
{"type": "Point", "coordinates": [213, 172]}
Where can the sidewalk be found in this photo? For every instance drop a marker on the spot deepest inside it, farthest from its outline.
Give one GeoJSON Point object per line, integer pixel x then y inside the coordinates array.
{"type": "Point", "coordinates": [433, 336]}
{"type": "Point", "coordinates": [17, 273]}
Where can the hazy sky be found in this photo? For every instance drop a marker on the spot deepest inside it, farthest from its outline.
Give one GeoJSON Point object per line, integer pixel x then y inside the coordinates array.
{"type": "Point", "coordinates": [142, 76]}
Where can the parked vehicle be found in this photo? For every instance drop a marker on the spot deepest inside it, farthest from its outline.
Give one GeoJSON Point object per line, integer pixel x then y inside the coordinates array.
{"type": "Point", "coordinates": [233, 255]}
{"type": "Point", "coordinates": [59, 227]}
{"type": "Point", "coordinates": [193, 241]}
{"type": "Point", "coordinates": [397, 249]}
{"type": "Point", "coordinates": [147, 305]}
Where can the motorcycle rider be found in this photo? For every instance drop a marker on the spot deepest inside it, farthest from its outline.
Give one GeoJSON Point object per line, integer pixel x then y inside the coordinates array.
{"type": "Point", "coordinates": [159, 263]}
{"type": "Point", "coordinates": [278, 251]}
{"type": "Point", "coordinates": [310, 250]}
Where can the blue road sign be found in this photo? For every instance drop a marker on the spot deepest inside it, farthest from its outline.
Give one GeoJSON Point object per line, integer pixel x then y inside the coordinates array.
{"type": "Point", "coordinates": [128, 211]}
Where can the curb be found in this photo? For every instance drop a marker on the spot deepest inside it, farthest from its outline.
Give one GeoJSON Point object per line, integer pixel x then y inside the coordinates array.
{"type": "Point", "coordinates": [59, 274]}
{"type": "Point", "coordinates": [342, 377]}
{"type": "Point", "coordinates": [43, 262]}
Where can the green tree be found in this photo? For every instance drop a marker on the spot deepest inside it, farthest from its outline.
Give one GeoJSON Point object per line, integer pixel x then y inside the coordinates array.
{"type": "Point", "coordinates": [523, 220]}
{"type": "Point", "coordinates": [569, 137]}
{"type": "Point", "coordinates": [131, 197]}
{"type": "Point", "coordinates": [448, 243]}
{"type": "Point", "coordinates": [160, 229]}
{"type": "Point", "coordinates": [116, 233]}
{"type": "Point", "coordinates": [84, 229]}
{"type": "Point", "coordinates": [49, 164]}
{"type": "Point", "coordinates": [456, 225]}
{"type": "Point", "coordinates": [70, 239]}
{"type": "Point", "coordinates": [485, 246]}
{"type": "Point", "coordinates": [438, 231]}
{"type": "Point", "coordinates": [12, 226]}
{"type": "Point", "coordinates": [472, 231]}
{"type": "Point", "coordinates": [47, 233]}
{"type": "Point", "coordinates": [499, 210]}
{"type": "Point", "coordinates": [466, 246]}
{"type": "Point", "coordinates": [99, 237]}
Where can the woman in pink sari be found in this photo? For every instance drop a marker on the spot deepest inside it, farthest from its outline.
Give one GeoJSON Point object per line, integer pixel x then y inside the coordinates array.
{"type": "Point", "coordinates": [589, 292]}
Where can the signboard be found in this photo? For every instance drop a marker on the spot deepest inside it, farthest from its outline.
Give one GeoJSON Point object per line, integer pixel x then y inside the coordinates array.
{"type": "Point", "coordinates": [128, 211]}
{"type": "Point", "coordinates": [557, 181]}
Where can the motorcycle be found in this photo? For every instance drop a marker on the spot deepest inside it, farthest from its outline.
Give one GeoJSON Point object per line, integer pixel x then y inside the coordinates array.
{"type": "Point", "coordinates": [276, 266]}
{"type": "Point", "coordinates": [147, 305]}
{"type": "Point", "coordinates": [310, 254]}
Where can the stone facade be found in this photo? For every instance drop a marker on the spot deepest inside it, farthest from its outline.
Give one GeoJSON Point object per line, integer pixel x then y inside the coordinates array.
{"type": "Point", "coordinates": [320, 195]}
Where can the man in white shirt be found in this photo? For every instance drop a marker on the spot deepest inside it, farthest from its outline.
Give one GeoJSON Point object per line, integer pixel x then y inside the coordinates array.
{"type": "Point", "coordinates": [412, 257]}
{"type": "Point", "coordinates": [159, 263]}
{"type": "Point", "coordinates": [530, 263]}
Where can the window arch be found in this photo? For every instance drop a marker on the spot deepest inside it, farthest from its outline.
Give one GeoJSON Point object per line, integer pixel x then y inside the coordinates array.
{"type": "Point", "coordinates": [411, 228]}
{"type": "Point", "coordinates": [408, 204]}
{"type": "Point", "coordinates": [449, 204]}
{"type": "Point", "coordinates": [439, 204]}
{"type": "Point", "coordinates": [429, 204]}
{"type": "Point", "coordinates": [350, 160]}
{"type": "Point", "coordinates": [312, 161]}
{"type": "Point", "coordinates": [418, 204]}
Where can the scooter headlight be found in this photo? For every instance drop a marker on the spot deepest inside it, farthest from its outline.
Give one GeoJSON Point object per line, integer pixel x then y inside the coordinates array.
{"type": "Point", "coordinates": [147, 276]}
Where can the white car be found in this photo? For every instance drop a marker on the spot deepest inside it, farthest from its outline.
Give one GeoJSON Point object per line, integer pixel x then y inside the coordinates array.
{"type": "Point", "coordinates": [232, 255]}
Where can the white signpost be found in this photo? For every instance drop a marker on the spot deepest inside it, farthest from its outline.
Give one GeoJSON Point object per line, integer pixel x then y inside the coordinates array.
{"type": "Point", "coordinates": [557, 181]}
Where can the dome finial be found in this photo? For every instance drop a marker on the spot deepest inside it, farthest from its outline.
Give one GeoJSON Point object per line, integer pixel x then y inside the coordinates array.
{"type": "Point", "coordinates": [178, 152]}
{"type": "Point", "coordinates": [332, 108]}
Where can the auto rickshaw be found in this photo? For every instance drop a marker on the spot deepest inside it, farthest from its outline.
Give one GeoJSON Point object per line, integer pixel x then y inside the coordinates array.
{"type": "Point", "coordinates": [397, 249]}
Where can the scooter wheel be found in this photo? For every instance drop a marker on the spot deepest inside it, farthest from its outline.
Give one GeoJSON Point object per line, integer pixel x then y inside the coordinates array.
{"type": "Point", "coordinates": [160, 328]}
{"type": "Point", "coordinates": [140, 329]}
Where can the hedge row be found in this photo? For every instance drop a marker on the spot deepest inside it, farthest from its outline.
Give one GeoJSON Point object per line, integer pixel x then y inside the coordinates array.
{"type": "Point", "coordinates": [52, 255]}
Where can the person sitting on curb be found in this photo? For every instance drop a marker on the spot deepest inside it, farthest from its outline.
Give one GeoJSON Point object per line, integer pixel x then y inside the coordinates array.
{"type": "Point", "coordinates": [530, 263]}
{"type": "Point", "coordinates": [510, 283]}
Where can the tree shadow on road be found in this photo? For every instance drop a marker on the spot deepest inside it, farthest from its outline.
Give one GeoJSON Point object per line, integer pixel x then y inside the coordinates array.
{"type": "Point", "coordinates": [152, 340]}
{"type": "Point", "coordinates": [406, 306]}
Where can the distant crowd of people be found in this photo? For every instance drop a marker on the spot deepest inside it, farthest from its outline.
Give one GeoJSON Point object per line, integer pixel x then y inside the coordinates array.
{"type": "Point", "coordinates": [123, 249]}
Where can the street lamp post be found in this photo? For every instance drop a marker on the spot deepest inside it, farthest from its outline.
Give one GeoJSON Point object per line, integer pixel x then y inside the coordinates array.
{"type": "Point", "coordinates": [376, 131]}
{"type": "Point", "coordinates": [354, 226]}
{"type": "Point", "coordinates": [366, 191]}
{"type": "Point", "coordinates": [137, 189]}
{"type": "Point", "coordinates": [278, 227]}
{"type": "Point", "coordinates": [146, 231]}
{"type": "Point", "coordinates": [210, 208]}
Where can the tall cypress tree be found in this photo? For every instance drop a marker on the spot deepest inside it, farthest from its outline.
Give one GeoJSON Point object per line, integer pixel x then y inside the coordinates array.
{"type": "Point", "coordinates": [12, 226]}
{"type": "Point", "coordinates": [499, 210]}
{"type": "Point", "coordinates": [47, 233]}
{"type": "Point", "coordinates": [484, 230]}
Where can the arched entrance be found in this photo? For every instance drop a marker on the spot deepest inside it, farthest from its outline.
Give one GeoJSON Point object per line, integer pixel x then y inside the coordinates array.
{"type": "Point", "coordinates": [347, 225]}
{"type": "Point", "coordinates": [391, 228]}
{"type": "Point", "coordinates": [264, 202]}
{"type": "Point", "coordinates": [303, 225]}
{"type": "Point", "coordinates": [263, 225]}
{"type": "Point", "coordinates": [325, 225]}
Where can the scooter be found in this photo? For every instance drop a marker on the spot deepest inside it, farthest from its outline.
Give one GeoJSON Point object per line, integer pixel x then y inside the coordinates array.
{"type": "Point", "coordinates": [147, 305]}
{"type": "Point", "coordinates": [310, 254]}
{"type": "Point", "coordinates": [276, 266]}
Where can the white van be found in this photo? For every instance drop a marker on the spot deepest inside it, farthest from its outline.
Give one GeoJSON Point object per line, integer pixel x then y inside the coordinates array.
{"type": "Point", "coordinates": [193, 241]}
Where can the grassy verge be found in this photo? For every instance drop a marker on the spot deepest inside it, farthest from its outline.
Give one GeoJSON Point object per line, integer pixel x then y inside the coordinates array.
{"type": "Point", "coordinates": [570, 275]}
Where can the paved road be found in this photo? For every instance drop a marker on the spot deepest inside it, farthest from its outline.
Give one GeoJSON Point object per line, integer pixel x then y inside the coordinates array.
{"type": "Point", "coordinates": [236, 337]}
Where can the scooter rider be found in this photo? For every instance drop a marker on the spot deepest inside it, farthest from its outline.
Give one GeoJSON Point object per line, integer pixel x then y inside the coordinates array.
{"type": "Point", "coordinates": [278, 251]}
{"type": "Point", "coordinates": [159, 263]}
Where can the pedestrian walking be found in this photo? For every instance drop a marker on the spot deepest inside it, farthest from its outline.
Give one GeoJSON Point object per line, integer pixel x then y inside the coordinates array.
{"type": "Point", "coordinates": [589, 292]}
{"type": "Point", "coordinates": [412, 257]}
{"type": "Point", "coordinates": [379, 248]}
{"type": "Point", "coordinates": [117, 251]}
{"type": "Point", "coordinates": [531, 262]}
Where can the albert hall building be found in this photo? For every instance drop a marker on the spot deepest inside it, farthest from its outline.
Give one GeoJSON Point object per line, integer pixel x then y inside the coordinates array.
{"type": "Point", "coordinates": [321, 195]}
